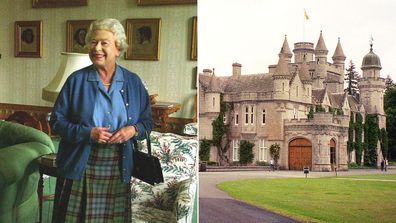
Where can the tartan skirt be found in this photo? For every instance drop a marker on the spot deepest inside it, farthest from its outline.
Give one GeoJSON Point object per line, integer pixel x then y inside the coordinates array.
{"type": "Point", "coordinates": [100, 196]}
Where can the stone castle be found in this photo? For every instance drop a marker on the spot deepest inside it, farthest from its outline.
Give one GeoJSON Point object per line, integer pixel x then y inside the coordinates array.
{"type": "Point", "coordinates": [273, 107]}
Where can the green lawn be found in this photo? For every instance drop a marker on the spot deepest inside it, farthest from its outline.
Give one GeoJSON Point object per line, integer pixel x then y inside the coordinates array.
{"type": "Point", "coordinates": [327, 199]}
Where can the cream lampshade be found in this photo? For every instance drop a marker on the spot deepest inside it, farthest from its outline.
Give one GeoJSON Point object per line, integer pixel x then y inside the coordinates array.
{"type": "Point", "coordinates": [70, 63]}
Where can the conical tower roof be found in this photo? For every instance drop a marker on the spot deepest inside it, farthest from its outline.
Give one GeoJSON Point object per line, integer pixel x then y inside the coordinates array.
{"type": "Point", "coordinates": [285, 50]}
{"type": "Point", "coordinates": [321, 46]}
{"type": "Point", "coordinates": [282, 67]}
{"type": "Point", "coordinates": [339, 53]}
{"type": "Point", "coordinates": [304, 72]}
{"type": "Point", "coordinates": [214, 85]}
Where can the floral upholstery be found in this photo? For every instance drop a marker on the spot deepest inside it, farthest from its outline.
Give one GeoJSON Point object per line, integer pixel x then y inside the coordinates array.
{"type": "Point", "coordinates": [191, 129]}
{"type": "Point", "coordinates": [173, 200]}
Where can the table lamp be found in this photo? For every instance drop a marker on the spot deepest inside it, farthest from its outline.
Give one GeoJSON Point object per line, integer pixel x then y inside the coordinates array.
{"type": "Point", "coordinates": [70, 63]}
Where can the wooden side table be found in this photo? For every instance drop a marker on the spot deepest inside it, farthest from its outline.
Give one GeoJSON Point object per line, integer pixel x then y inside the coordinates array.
{"type": "Point", "coordinates": [161, 112]}
{"type": "Point", "coordinates": [47, 166]}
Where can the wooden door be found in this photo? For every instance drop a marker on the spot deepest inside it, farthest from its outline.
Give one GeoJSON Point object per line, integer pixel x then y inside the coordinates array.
{"type": "Point", "coordinates": [300, 154]}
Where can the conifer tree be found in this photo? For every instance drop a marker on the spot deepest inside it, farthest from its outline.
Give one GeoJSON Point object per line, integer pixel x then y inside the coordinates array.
{"type": "Point", "coordinates": [351, 78]}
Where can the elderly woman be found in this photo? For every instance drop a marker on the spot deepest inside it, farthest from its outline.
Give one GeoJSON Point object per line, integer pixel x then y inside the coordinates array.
{"type": "Point", "coordinates": [100, 110]}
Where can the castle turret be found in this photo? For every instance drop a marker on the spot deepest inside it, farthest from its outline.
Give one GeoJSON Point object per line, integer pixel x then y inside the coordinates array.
{"type": "Point", "coordinates": [307, 81]}
{"type": "Point", "coordinates": [339, 62]}
{"type": "Point", "coordinates": [303, 51]}
{"type": "Point", "coordinates": [371, 85]}
{"type": "Point", "coordinates": [281, 79]}
{"type": "Point", "coordinates": [321, 61]}
{"type": "Point", "coordinates": [212, 95]}
{"type": "Point", "coordinates": [285, 51]}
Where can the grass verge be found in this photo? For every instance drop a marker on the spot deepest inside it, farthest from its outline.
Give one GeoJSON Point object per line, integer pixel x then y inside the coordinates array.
{"type": "Point", "coordinates": [322, 199]}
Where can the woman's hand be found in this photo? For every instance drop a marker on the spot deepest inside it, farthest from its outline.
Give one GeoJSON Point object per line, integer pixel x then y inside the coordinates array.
{"type": "Point", "coordinates": [101, 135]}
{"type": "Point", "coordinates": [123, 134]}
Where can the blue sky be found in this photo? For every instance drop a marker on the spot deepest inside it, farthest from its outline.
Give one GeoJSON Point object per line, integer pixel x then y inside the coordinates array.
{"type": "Point", "coordinates": [251, 32]}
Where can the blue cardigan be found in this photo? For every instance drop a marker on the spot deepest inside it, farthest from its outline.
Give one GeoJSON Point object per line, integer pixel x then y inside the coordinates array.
{"type": "Point", "coordinates": [72, 119]}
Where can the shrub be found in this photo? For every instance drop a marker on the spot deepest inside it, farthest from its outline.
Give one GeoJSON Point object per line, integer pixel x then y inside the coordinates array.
{"type": "Point", "coordinates": [246, 152]}
{"type": "Point", "coordinates": [204, 150]}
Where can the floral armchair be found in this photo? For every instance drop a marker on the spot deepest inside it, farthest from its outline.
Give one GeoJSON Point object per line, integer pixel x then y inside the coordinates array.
{"type": "Point", "coordinates": [173, 200]}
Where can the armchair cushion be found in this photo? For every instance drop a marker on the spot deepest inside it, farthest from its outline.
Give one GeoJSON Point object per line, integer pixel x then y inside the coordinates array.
{"type": "Point", "coordinates": [176, 195]}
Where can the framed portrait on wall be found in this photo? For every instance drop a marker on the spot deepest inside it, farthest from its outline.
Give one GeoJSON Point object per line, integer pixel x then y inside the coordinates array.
{"type": "Point", "coordinates": [165, 2]}
{"type": "Point", "coordinates": [143, 37]}
{"type": "Point", "coordinates": [58, 3]}
{"type": "Point", "coordinates": [76, 30]}
{"type": "Point", "coordinates": [28, 38]}
{"type": "Point", "coordinates": [194, 40]}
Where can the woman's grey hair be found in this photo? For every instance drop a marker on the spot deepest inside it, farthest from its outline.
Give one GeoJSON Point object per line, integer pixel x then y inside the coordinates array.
{"type": "Point", "coordinates": [112, 25]}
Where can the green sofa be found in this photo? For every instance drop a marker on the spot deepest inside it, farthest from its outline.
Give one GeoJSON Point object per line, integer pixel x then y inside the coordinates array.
{"type": "Point", "coordinates": [19, 147]}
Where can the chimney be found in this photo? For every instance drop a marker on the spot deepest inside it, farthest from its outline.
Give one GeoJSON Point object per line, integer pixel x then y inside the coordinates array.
{"type": "Point", "coordinates": [207, 72]}
{"type": "Point", "coordinates": [236, 70]}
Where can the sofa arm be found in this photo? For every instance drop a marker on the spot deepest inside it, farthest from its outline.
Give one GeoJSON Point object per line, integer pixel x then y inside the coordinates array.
{"type": "Point", "coordinates": [16, 160]}
{"type": "Point", "coordinates": [13, 133]}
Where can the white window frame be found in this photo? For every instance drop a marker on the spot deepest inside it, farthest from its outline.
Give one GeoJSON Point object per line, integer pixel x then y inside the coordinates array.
{"type": "Point", "coordinates": [235, 150]}
{"type": "Point", "coordinates": [263, 151]}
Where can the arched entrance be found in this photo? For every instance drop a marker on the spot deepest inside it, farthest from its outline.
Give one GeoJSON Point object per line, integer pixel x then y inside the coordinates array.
{"type": "Point", "coordinates": [300, 154]}
{"type": "Point", "coordinates": [333, 160]}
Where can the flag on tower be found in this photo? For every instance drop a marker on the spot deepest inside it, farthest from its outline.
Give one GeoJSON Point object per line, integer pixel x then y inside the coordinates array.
{"type": "Point", "coordinates": [306, 15]}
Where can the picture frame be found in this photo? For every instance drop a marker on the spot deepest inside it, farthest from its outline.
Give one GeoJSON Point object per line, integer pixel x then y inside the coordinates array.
{"type": "Point", "coordinates": [143, 37]}
{"type": "Point", "coordinates": [194, 39]}
{"type": "Point", "coordinates": [76, 30]}
{"type": "Point", "coordinates": [28, 38]}
{"type": "Point", "coordinates": [165, 2]}
{"type": "Point", "coordinates": [58, 3]}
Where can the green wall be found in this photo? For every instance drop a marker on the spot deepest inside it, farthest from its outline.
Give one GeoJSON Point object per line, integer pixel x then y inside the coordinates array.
{"type": "Point", "coordinates": [172, 77]}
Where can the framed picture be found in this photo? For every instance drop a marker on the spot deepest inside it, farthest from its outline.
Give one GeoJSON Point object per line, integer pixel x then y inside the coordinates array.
{"type": "Point", "coordinates": [76, 30]}
{"type": "Point", "coordinates": [194, 39]}
{"type": "Point", "coordinates": [165, 2]}
{"type": "Point", "coordinates": [143, 37]}
{"type": "Point", "coordinates": [58, 3]}
{"type": "Point", "coordinates": [28, 38]}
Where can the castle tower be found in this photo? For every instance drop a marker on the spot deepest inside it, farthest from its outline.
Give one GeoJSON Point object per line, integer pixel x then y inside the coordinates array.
{"type": "Point", "coordinates": [307, 82]}
{"type": "Point", "coordinates": [303, 51]}
{"type": "Point", "coordinates": [285, 51]}
{"type": "Point", "coordinates": [321, 61]}
{"type": "Point", "coordinates": [371, 85]}
{"type": "Point", "coordinates": [281, 79]}
{"type": "Point", "coordinates": [212, 95]}
{"type": "Point", "coordinates": [339, 61]}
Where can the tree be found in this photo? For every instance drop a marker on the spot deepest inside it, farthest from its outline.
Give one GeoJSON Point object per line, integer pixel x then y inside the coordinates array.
{"type": "Point", "coordinates": [351, 78]}
{"type": "Point", "coordinates": [275, 152]}
{"type": "Point", "coordinates": [389, 82]}
{"type": "Point", "coordinates": [371, 140]}
{"type": "Point", "coordinates": [204, 150]}
{"type": "Point", "coordinates": [220, 134]}
{"type": "Point", "coordinates": [245, 152]}
{"type": "Point", "coordinates": [390, 110]}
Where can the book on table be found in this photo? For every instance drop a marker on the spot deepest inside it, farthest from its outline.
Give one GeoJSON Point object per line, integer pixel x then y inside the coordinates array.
{"type": "Point", "coordinates": [164, 105]}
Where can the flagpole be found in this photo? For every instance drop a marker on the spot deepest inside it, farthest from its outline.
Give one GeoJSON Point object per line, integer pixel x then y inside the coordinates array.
{"type": "Point", "coordinates": [304, 27]}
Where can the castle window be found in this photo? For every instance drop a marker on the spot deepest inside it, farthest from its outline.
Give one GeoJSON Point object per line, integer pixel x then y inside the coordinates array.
{"type": "Point", "coordinates": [263, 117]}
{"type": "Point", "coordinates": [294, 113]}
{"type": "Point", "coordinates": [214, 102]}
{"type": "Point", "coordinates": [247, 115]}
{"type": "Point", "coordinates": [224, 119]}
{"type": "Point", "coordinates": [297, 91]}
{"type": "Point", "coordinates": [235, 150]}
{"type": "Point", "coordinates": [263, 151]}
{"type": "Point", "coordinates": [252, 116]}
{"type": "Point", "coordinates": [236, 119]}
{"type": "Point", "coordinates": [283, 87]}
